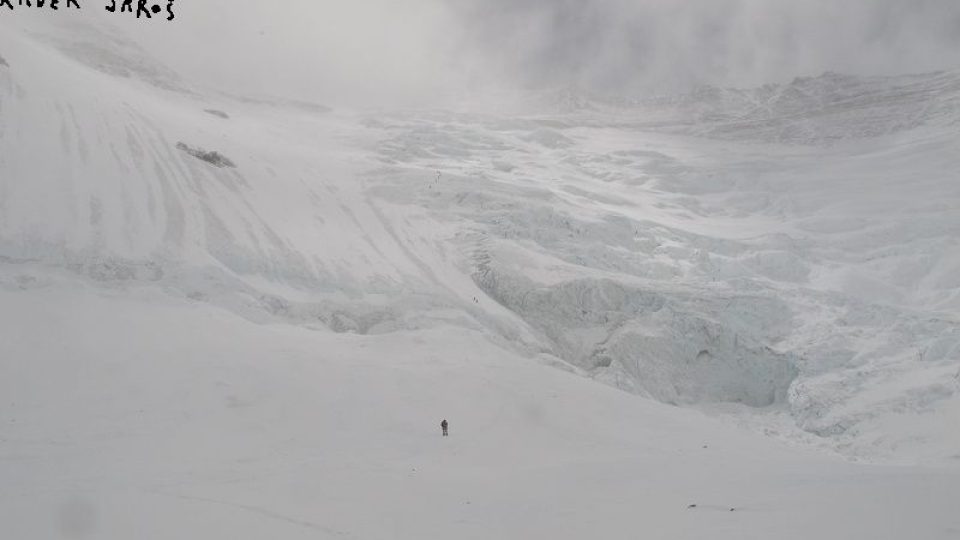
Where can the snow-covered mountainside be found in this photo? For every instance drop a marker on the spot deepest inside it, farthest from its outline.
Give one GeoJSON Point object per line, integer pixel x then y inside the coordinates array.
{"type": "Point", "coordinates": [690, 250]}
{"type": "Point", "coordinates": [820, 110]}
{"type": "Point", "coordinates": [785, 257]}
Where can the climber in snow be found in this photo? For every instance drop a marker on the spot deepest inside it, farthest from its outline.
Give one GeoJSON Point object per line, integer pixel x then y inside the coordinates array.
{"type": "Point", "coordinates": [443, 426]}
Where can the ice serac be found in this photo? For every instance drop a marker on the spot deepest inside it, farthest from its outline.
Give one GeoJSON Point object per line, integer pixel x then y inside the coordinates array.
{"type": "Point", "coordinates": [788, 252]}
{"type": "Point", "coordinates": [667, 346]}
{"type": "Point", "coordinates": [789, 246]}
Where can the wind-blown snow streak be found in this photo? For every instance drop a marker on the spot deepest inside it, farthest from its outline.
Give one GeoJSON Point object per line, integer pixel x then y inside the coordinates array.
{"type": "Point", "coordinates": [792, 248]}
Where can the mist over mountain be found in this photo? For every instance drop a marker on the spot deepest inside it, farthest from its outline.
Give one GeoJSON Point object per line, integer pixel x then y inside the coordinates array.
{"type": "Point", "coordinates": [379, 52]}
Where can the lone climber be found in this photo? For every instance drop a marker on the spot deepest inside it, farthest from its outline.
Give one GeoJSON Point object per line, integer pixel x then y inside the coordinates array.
{"type": "Point", "coordinates": [443, 426]}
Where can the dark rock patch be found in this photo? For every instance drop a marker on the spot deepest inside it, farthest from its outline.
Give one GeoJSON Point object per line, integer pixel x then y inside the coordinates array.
{"type": "Point", "coordinates": [212, 157]}
{"type": "Point", "coordinates": [219, 114]}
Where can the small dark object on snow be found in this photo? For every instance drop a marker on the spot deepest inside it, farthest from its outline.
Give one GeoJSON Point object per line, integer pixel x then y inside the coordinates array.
{"type": "Point", "coordinates": [214, 158]}
{"type": "Point", "coordinates": [691, 506]}
{"type": "Point", "coordinates": [3, 62]}
{"type": "Point", "coordinates": [443, 426]}
{"type": "Point", "coordinates": [732, 509]}
{"type": "Point", "coordinates": [217, 113]}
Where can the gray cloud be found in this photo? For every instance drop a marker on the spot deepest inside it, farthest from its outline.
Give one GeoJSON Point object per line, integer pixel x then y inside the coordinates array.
{"type": "Point", "coordinates": [382, 50]}
{"type": "Point", "coordinates": [662, 44]}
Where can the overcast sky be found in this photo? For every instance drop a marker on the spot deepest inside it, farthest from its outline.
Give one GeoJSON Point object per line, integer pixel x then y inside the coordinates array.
{"type": "Point", "coordinates": [416, 50]}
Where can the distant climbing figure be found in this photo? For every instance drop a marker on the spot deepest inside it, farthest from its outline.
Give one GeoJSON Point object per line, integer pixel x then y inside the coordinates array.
{"type": "Point", "coordinates": [443, 426]}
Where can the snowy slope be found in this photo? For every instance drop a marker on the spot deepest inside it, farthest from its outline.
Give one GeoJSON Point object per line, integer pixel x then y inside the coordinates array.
{"type": "Point", "coordinates": [202, 424]}
{"type": "Point", "coordinates": [785, 258]}
{"type": "Point", "coordinates": [696, 270]}
{"type": "Point", "coordinates": [123, 200]}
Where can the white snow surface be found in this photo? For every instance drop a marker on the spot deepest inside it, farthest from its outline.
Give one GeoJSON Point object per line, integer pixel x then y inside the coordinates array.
{"type": "Point", "coordinates": [230, 317]}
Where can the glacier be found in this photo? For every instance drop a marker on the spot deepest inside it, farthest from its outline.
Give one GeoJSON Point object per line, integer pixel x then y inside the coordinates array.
{"type": "Point", "coordinates": [779, 263]}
